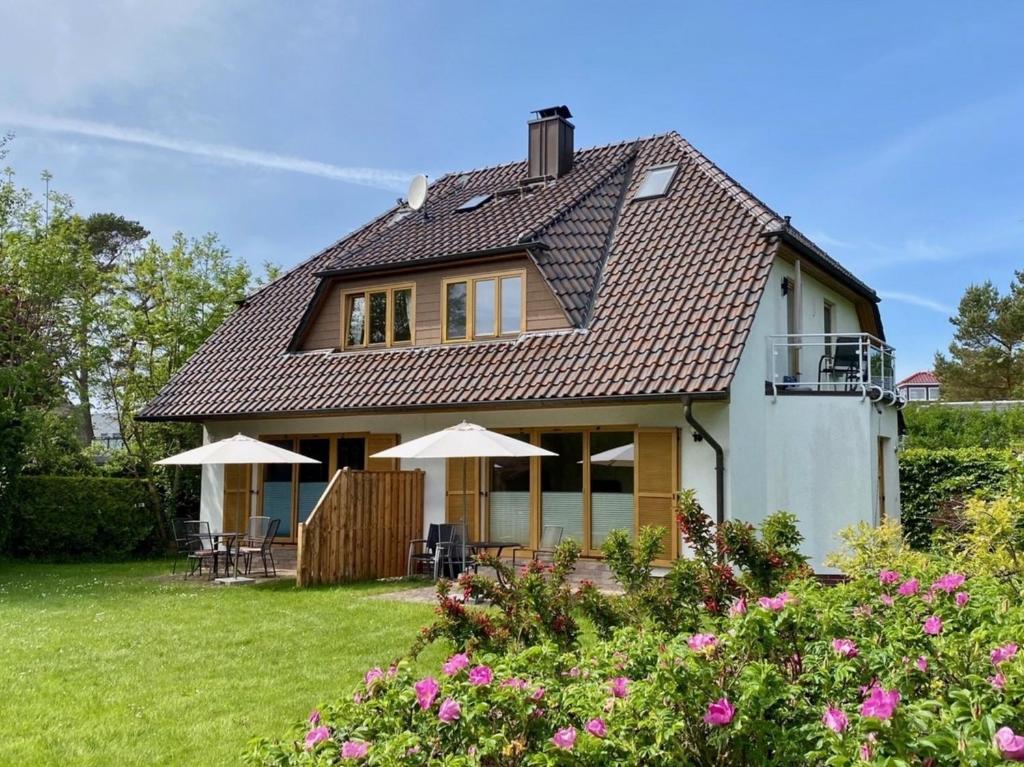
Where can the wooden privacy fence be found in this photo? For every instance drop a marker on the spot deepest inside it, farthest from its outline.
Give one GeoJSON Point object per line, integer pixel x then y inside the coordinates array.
{"type": "Point", "coordinates": [361, 527]}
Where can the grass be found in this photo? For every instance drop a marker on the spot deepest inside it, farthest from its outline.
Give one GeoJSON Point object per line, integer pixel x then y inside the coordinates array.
{"type": "Point", "coordinates": [110, 664]}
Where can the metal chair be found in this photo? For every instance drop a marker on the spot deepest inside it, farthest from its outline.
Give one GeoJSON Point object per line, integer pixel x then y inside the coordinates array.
{"type": "Point", "coordinates": [201, 546]}
{"type": "Point", "coordinates": [844, 362]}
{"type": "Point", "coordinates": [427, 553]}
{"type": "Point", "coordinates": [265, 549]}
{"type": "Point", "coordinates": [550, 537]}
{"type": "Point", "coordinates": [453, 553]}
{"type": "Point", "coordinates": [181, 545]}
{"type": "Point", "coordinates": [255, 531]}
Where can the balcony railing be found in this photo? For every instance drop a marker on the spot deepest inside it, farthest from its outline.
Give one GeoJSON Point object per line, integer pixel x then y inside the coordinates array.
{"type": "Point", "coordinates": [840, 363]}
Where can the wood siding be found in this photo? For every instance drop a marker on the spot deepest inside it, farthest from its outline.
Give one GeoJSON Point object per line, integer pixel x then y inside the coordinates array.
{"type": "Point", "coordinates": [543, 312]}
{"type": "Point", "coordinates": [361, 528]}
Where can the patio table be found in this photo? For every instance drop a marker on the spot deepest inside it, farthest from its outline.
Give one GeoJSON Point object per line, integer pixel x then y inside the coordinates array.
{"type": "Point", "coordinates": [228, 539]}
{"type": "Point", "coordinates": [478, 546]}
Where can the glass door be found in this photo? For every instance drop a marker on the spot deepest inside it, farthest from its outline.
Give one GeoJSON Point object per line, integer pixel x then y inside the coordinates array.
{"type": "Point", "coordinates": [313, 477]}
{"type": "Point", "coordinates": [352, 453]}
{"type": "Point", "coordinates": [561, 484]}
{"type": "Point", "coordinates": [277, 490]}
{"type": "Point", "coordinates": [508, 499]}
{"type": "Point", "coordinates": [611, 485]}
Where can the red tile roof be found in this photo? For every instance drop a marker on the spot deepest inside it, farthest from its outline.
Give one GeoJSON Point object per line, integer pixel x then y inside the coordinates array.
{"type": "Point", "coordinates": [921, 378]}
{"type": "Point", "coordinates": [662, 293]}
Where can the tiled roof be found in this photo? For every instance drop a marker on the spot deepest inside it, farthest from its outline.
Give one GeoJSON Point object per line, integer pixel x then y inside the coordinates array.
{"type": "Point", "coordinates": [662, 292]}
{"type": "Point", "coordinates": [921, 378]}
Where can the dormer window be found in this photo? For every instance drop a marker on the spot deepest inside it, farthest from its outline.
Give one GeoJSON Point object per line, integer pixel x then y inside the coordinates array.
{"type": "Point", "coordinates": [378, 317]}
{"type": "Point", "coordinates": [483, 307]}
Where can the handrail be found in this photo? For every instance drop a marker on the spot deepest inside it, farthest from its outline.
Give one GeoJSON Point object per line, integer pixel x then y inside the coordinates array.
{"type": "Point", "coordinates": [873, 375]}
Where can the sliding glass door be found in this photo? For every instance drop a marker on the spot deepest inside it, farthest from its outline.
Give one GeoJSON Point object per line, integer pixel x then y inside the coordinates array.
{"type": "Point", "coordinates": [277, 490]}
{"type": "Point", "coordinates": [611, 485]}
{"type": "Point", "coordinates": [561, 484]}
{"type": "Point", "coordinates": [313, 477]}
{"type": "Point", "coordinates": [508, 508]}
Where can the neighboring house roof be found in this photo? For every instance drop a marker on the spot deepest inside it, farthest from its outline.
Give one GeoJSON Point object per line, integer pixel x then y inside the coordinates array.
{"type": "Point", "coordinates": [662, 293]}
{"type": "Point", "coordinates": [921, 378]}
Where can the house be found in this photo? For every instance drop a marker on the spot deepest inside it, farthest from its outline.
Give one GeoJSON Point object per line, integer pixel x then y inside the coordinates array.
{"type": "Point", "coordinates": [923, 386]}
{"type": "Point", "coordinates": [583, 300]}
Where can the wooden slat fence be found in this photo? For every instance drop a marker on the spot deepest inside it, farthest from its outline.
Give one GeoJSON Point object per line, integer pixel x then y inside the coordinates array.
{"type": "Point", "coordinates": [361, 527]}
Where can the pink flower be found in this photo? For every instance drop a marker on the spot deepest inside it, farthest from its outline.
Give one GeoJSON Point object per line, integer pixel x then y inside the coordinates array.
{"type": "Point", "coordinates": [316, 735]}
{"type": "Point", "coordinates": [455, 664]}
{"type": "Point", "coordinates": [845, 648]}
{"type": "Point", "coordinates": [949, 582]}
{"type": "Point", "coordinates": [962, 598]}
{"type": "Point", "coordinates": [481, 675]}
{"type": "Point", "coordinates": [886, 600]}
{"type": "Point", "coordinates": [881, 704]}
{"type": "Point", "coordinates": [703, 643]}
{"type": "Point", "coordinates": [720, 713]}
{"type": "Point", "coordinates": [596, 727]}
{"type": "Point", "coordinates": [314, 717]}
{"type": "Point", "coordinates": [354, 749]}
{"type": "Point", "coordinates": [514, 682]}
{"type": "Point", "coordinates": [1010, 745]}
{"type": "Point", "coordinates": [565, 738]}
{"type": "Point", "coordinates": [537, 694]}
{"type": "Point", "coordinates": [739, 607]}
{"type": "Point", "coordinates": [888, 577]}
{"type": "Point", "coordinates": [620, 687]}
{"type": "Point", "coordinates": [574, 672]}
{"type": "Point", "coordinates": [998, 681]}
{"type": "Point", "coordinates": [776, 603]}
{"type": "Point", "coordinates": [909, 588]}
{"type": "Point", "coordinates": [1005, 652]}
{"type": "Point", "coordinates": [449, 711]}
{"type": "Point", "coordinates": [426, 692]}
{"type": "Point", "coordinates": [373, 675]}
{"type": "Point", "coordinates": [933, 625]}
{"type": "Point", "coordinates": [835, 719]}
{"type": "Point", "coordinates": [922, 664]}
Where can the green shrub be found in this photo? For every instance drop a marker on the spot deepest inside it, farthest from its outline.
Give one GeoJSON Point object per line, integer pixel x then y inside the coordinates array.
{"type": "Point", "coordinates": [934, 427]}
{"type": "Point", "coordinates": [59, 518]}
{"type": "Point", "coordinates": [933, 480]}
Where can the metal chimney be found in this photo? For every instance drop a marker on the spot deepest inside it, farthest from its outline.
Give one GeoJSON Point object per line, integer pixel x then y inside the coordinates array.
{"type": "Point", "coordinates": [550, 143]}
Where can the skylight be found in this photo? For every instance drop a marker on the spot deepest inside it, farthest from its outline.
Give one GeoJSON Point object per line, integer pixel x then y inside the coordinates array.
{"type": "Point", "coordinates": [656, 182]}
{"type": "Point", "coordinates": [475, 201]}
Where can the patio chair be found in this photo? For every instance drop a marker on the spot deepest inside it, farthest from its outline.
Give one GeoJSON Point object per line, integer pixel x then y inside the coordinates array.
{"type": "Point", "coordinates": [453, 552]}
{"type": "Point", "coordinates": [842, 363]}
{"type": "Point", "coordinates": [265, 548]}
{"type": "Point", "coordinates": [550, 537]}
{"type": "Point", "coordinates": [201, 546]}
{"type": "Point", "coordinates": [255, 531]}
{"type": "Point", "coordinates": [181, 546]}
{"type": "Point", "coordinates": [427, 553]}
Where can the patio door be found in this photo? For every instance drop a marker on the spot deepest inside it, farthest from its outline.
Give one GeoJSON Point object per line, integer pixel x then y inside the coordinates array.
{"type": "Point", "coordinates": [561, 484]}
{"type": "Point", "coordinates": [237, 490]}
{"type": "Point", "coordinates": [612, 482]}
{"type": "Point", "coordinates": [508, 498]}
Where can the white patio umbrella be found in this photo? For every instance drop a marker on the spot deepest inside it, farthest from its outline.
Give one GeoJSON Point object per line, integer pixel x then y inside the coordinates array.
{"type": "Point", "coordinates": [464, 440]}
{"type": "Point", "coordinates": [616, 456]}
{"type": "Point", "coordinates": [236, 449]}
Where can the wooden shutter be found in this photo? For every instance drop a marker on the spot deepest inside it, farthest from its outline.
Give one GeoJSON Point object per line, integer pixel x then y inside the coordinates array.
{"type": "Point", "coordinates": [374, 444]}
{"type": "Point", "coordinates": [456, 495]}
{"type": "Point", "coordinates": [237, 481]}
{"type": "Point", "coordinates": [657, 479]}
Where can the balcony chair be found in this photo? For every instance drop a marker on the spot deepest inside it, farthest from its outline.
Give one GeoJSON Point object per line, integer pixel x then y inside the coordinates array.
{"type": "Point", "coordinates": [843, 363]}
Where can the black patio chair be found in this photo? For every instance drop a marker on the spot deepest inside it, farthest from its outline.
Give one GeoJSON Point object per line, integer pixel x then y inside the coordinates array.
{"type": "Point", "coordinates": [265, 548]}
{"type": "Point", "coordinates": [843, 362]}
{"type": "Point", "coordinates": [181, 546]}
{"type": "Point", "coordinates": [201, 547]}
{"type": "Point", "coordinates": [427, 554]}
{"type": "Point", "coordinates": [453, 552]}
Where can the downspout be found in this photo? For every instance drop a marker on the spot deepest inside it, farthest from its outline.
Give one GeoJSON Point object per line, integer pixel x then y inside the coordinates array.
{"type": "Point", "coordinates": [719, 459]}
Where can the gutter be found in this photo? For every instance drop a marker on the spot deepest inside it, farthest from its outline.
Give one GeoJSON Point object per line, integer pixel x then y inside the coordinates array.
{"type": "Point", "coordinates": [719, 458]}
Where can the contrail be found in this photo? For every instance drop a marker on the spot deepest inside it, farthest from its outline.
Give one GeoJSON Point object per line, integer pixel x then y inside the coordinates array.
{"type": "Point", "coordinates": [910, 298]}
{"type": "Point", "coordinates": [390, 180]}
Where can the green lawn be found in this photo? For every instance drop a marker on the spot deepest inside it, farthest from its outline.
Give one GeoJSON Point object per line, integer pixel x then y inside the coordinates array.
{"type": "Point", "coordinates": [109, 664]}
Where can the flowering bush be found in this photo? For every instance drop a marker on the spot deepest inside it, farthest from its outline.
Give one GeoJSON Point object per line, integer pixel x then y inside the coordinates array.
{"type": "Point", "coordinates": [871, 671]}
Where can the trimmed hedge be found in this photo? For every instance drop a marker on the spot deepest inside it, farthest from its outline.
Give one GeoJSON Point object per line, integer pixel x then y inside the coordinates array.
{"type": "Point", "coordinates": [931, 479]}
{"type": "Point", "coordinates": [74, 518]}
{"type": "Point", "coordinates": [937, 427]}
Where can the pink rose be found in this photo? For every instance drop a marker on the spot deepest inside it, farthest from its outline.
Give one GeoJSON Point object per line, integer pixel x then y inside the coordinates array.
{"type": "Point", "coordinates": [949, 582]}
{"type": "Point", "coordinates": [1010, 745]}
{"type": "Point", "coordinates": [620, 687]}
{"type": "Point", "coordinates": [565, 738]}
{"type": "Point", "coordinates": [702, 642]}
{"type": "Point", "coordinates": [373, 675]}
{"type": "Point", "coordinates": [889, 577]}
{"type": "Point", "coordinates": [449, 711]}
{"type": "Point", "coordinates": [776, 603]}
{"type": "Point", "coordinates": [933, 625]}
{"type": "Point", "coordinates": [426, 692]}
{"type": "Point", "coordinates": [998, 681]}
{"type": "Point", "coordinates": [739, 607]}
{"type": "Point", "coordinates": [1005, 652]}
{"type": "Point", "coordinates": [909, 588]}
{"type": "Point", "coordinates": [835, 719]}
{"type": "Point", "coordinates": [881, 704]}
{"type": "Point", "coordinates": [515, 683]}
{"type": "Point", "coordinates": [886, 600]}
{"type": "Point", "coordinates": [314, 717]}
{"type": "Point", "coordinates": [962, 598]}
{"type": "Point", "coordinates": [720, 713]}
{"type": "Point", "coordinates": [354, 749]}
{"type": "Point", "coordinates": [596, 727]}
{"type": "Point", "coordinates": [455, 664]}
{"type": "Point", "coordinates": [480, 675]}
{"type": "Point", "coordinates": [537, 694]}
{"type": "Point", "coordinates": [845, 648]}
{"type": "Point", "coordinates": [922, 664]}
{"type": "Point", "coordinates": [316, 735]}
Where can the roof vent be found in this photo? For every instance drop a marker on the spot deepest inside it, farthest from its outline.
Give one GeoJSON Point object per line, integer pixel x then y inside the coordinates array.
{"type": "Point", "coordinates": [550, 143]}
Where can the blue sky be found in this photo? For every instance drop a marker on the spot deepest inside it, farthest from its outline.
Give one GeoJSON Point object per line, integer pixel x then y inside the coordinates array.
{"type": "Point", "coordinates": [890, 132]}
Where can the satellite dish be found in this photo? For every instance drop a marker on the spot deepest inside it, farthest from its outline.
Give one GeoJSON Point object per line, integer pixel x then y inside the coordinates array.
{"type": "Point", "coordinates": [417, 191]}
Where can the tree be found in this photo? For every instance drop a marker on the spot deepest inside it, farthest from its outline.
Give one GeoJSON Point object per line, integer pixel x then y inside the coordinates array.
{"type": "Point", "coordinates": [986, 358]}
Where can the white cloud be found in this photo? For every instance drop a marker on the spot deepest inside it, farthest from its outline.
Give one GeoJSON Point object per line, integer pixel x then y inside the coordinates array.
{"type": "Point", "coordinates": [916, 300]}
{"type": "Point", "coordinates": [390, 180]}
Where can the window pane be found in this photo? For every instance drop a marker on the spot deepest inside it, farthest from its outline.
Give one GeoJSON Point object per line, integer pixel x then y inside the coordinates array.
{"type": "Point", "coordinates": [561, 484]}
{"type": "Point", "coordinates": [511, 304]}
{"type": "Point", "coordinates": [656, 182]}
{"type": "Point", "coordinates": [402, 324]}
{"type": "Point", "coordinates": [313, 476]}
{"type": "Point", "coordinates": [611, 484]}
{"type": "Point", "coordinates": [483, 308]}
{"type": "Point", "coordinates": [508, 501]}
{"type": "Point", "coordinates": [455, 321]}
{"type": "Point", "coordinates": [378, 318]}
{"type": "Point", "coordinates": [277, 490]}
{"type": "Point", "coordinates": [356, 320]}
{"type": "Point", "coordinates": [352, 453]}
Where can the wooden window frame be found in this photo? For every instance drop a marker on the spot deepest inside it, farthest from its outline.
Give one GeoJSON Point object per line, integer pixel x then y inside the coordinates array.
{"type": "Point", "coordinates": [470, 280]}
{"type": "Point", "coordinates": [389, 341]}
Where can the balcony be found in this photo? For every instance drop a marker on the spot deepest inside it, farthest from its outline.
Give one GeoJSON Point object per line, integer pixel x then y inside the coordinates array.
{"type": "Point", "coordinates": [819, 363]}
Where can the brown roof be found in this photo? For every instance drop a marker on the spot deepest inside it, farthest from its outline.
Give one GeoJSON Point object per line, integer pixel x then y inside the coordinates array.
{"type": "Point", "coordinates": [662, 293]}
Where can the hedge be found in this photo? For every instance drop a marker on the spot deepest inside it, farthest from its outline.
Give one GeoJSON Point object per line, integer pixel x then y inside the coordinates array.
{"type": "Point", "coordinates": [938, 427]}
{"type": "Point", "coordinates": [930, 479]}
{"type": "Point", "coordinates": [72, 518]}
